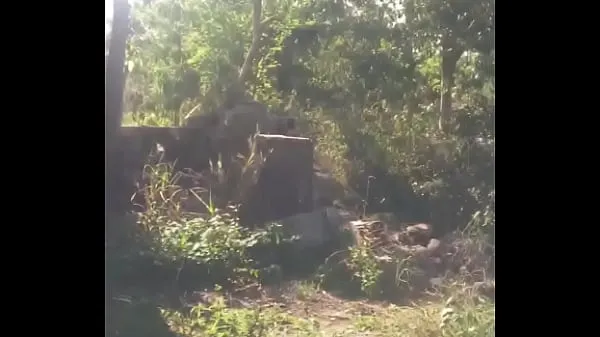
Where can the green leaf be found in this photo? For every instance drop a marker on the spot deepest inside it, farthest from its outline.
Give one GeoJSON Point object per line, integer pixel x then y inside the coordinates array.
{"type": "Point", "coordinates": [196, 246]}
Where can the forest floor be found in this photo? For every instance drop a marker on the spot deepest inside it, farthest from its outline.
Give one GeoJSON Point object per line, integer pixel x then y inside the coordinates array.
{"type": "Point", "coordinates": [301, 309]}
{"type": "Point", "coordinates": [453, 306]}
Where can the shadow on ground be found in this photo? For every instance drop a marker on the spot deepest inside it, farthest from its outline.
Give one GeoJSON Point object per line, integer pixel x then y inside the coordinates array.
{"type": "Point", "coordinates": [127, 317]}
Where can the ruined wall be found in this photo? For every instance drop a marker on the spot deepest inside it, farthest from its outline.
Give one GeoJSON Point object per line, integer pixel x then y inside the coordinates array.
{"type": "Point", "coordinates": [285, 175]}
{"type": "Point", "coordinates": [284, 182]}
{"type": "Point", "coordinates": [284, 185]}
{"type": "Point", "coordinates": [186, 147]}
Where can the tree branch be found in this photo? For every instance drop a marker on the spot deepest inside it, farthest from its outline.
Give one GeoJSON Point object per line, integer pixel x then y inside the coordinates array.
{"type": "Point", "coordinates": [237, 91]}
{"type": "Point", "coordinates": [256, 34]}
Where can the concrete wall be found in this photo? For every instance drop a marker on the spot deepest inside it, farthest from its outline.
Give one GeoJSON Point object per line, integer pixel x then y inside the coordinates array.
{"type": "Point", "coordinates": [284, 186]}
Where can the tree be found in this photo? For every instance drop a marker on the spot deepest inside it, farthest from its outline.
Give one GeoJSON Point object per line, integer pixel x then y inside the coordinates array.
{"type": "Point", "coordinates": [403, 87]}
{"type": "Point", "coordinates": [454, 26]}
{"type": "Point", "coordinates": [115, 76]}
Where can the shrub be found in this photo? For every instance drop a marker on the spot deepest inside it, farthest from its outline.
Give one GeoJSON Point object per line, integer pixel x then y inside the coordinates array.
{"type": "Point", "coordinates": [213, 243]}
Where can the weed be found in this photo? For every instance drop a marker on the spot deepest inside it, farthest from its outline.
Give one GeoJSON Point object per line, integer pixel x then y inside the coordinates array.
{"type": "Point", "coordinates": [214, 242]}
{"type": "Point", "coordinates": [217, 319]}
{"type": "Point", "coordinates": [366, 269]}
{"type": "Point", "coordinates": [219, 247]}
{"type": "Point", "coordinates": [307, 290]}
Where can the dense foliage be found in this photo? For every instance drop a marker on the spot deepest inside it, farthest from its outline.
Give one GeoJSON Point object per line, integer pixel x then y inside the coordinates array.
{"type": "Point", "coordinates": [398, 95]}
{"type": "Point", "coordinates": [399, 90]}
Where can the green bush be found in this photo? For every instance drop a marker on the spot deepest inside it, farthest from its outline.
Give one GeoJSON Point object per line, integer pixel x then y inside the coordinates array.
{"type": "Point", "coordinates": [214, 243]}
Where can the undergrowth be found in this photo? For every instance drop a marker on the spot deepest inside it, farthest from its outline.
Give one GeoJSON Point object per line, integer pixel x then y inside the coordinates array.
{"type": "Point", "coordinates": [213, 243]}
{"type": "Point", "coordinates": [215, 249]}
{"type": "Point", "coordinates": [462, 314]}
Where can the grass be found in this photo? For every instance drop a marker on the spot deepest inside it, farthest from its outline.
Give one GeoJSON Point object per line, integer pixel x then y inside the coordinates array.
{"type": "Point", "coordinates": [311, 312]}
{"type": "Point", "coordinates": [218, 249]}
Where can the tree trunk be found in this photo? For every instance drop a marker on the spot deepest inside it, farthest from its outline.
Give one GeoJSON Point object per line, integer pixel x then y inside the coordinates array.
{"type": "Point", "coordinates": [450, 55]}
{"type": "Point", "coordinates": [114, 84]}
{"type": "Point", "coordinates": [115, 73]}
{"type": "Point", "coordinates": [411, 98]}
{"type": "Point", "coordinates": [236, 92]}
{"type": "Point", "coordinates": [256, 34]}
{"type": "Point", "coordinates": [113, 114]}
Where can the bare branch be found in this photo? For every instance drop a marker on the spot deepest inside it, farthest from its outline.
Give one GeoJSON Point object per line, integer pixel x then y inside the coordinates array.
{"type": "Point", "coordinates": [256, 34]}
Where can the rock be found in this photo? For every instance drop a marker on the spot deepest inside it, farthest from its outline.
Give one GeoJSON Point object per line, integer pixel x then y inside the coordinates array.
{"type": "Point", "coordinates": [419, 234]}
{"type": "Point", "coordinates": [310, 228]}
{"type": "Point", "coordinates": [316, 228]}
{"type": "Point", "coordinates": [419, 229]}
{"type": "Point", "coordinates": [434, 245]}
{"type": "Point", "coordinates": [426, 252]}
{"type": "Point", "coordinates": [419, 251]}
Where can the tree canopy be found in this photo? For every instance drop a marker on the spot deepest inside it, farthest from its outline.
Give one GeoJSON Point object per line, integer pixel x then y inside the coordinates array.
{"type": "Point", "coordinates": [405, 87]}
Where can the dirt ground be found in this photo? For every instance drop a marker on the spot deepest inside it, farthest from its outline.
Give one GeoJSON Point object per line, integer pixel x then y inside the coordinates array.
{"type": "Point", "coordinates": [304, 300]}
